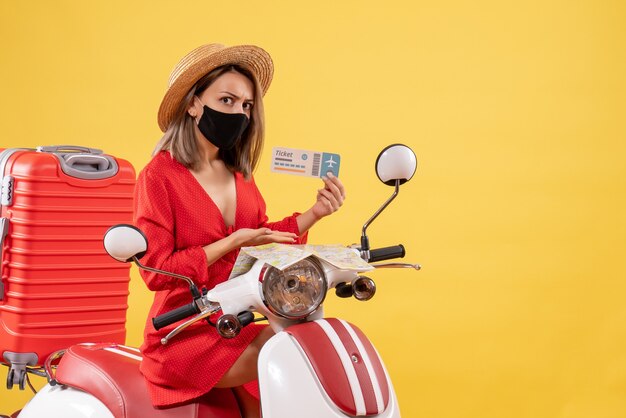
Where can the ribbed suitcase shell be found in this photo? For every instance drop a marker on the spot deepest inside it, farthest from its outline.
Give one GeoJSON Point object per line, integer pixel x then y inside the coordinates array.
{"type": "Point", "coordinates": [60, 286]}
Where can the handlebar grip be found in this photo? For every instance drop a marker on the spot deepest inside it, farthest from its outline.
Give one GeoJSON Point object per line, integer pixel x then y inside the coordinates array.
{"type": "Point", "coordinates": [174, 316]}
{"type": "Point", "coordinates": [387, 253]}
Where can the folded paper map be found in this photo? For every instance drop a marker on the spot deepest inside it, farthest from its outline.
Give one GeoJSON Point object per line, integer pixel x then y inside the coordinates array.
{"type": "Point", "coordinates": [282, 256]}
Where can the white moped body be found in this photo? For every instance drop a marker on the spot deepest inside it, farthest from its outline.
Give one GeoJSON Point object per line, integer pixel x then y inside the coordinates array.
{"type": "Point", "coordinates": [289, 387]}
{"type": "Point", "coordinates": [315, 368]}
{"type": "Point", "coordinates": [65, 402]}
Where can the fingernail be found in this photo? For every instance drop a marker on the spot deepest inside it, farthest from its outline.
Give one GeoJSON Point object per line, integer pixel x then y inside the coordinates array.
{"type": "Point", "coordinates": [329, 174]}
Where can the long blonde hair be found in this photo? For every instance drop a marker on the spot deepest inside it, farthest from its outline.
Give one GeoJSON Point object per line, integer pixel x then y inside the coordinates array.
{"type": "Point", "coordinates": [180, 137]}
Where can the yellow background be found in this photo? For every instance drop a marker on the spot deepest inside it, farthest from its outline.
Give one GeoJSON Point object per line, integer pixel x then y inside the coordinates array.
{"type": "Point", "coordinates": [516, 111]}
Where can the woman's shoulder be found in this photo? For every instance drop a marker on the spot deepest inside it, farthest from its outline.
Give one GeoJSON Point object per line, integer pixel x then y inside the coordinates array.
{"type": "Point", "coordinates": [162, 161]}
{"type": "Point", "coordinates": [242, 180]}
{"type": "Point", "coordinates": [163, 167]}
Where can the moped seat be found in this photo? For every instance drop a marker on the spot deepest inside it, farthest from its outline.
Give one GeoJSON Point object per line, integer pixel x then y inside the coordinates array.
{"type": "Point", "coordinates": [110, 372]}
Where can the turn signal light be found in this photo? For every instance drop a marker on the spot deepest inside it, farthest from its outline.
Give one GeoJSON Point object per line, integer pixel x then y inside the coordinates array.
{"type": "Point", "coordinates": [363, 288]}
{"type": "Point", "coordinates": [228, 326]}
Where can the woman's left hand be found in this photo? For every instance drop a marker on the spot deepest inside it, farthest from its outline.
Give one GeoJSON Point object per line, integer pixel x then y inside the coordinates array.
{"type": "Point", "coordinates": [330, 198]}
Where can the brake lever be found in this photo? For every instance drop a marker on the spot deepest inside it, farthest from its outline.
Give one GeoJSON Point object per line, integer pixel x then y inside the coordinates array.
{"type": "Point", "coordinates": [205, 313]}
{"type": "Point", "coordinates": [396, 266]}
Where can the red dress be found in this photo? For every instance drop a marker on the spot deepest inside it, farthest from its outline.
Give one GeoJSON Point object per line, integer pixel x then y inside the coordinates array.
{"type": "Point", "coordinates": [179, 218]}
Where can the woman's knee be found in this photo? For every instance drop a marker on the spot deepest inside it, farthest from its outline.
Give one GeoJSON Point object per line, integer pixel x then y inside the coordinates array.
{"type": "Point", "coordinates": [260, 340]}
{"type": "Point", "coordinates": [245, 367]}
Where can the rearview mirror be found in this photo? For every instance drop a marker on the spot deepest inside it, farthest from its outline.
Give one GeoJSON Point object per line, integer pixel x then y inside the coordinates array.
{"type": "Point", "coordinates": [395, 165]}
{"type": "Point", "coordinates": [125, 242]}
{"type": "Point", "coordinates": [396, 162]}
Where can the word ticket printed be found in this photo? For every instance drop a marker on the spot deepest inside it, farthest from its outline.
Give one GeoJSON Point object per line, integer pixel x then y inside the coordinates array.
{"type": "Point", "coordinates": [304, 163]}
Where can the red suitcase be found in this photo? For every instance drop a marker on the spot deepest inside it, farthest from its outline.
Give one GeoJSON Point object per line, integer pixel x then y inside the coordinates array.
{"type": "Point", "coordinates": [59, 287]}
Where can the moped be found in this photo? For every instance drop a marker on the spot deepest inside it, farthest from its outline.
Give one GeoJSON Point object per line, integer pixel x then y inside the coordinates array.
{"type": "Point", "coordinates": [313, 367]}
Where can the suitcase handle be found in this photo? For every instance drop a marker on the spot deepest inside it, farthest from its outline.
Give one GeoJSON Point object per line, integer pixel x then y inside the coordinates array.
{"type": "Point", "coordinates": [88, 166]}
{"type": "Point", "coordinates": [68, 148]}
{"type": "Point", "coordinates": [4, 230]}
{"type": "Point", "coordinates": [82, 162]}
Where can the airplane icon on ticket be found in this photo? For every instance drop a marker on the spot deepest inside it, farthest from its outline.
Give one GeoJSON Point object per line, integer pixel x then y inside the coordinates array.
{"type": "Point", "coordinates": [331, 163]}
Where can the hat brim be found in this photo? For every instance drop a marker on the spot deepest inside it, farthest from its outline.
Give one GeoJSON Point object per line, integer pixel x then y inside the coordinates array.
{"type": "Point", "coordinates": [205, 59]}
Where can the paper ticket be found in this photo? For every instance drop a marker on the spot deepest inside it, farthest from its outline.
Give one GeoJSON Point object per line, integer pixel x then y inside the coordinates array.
{"type": "Point", "coordinates": [304, 163]}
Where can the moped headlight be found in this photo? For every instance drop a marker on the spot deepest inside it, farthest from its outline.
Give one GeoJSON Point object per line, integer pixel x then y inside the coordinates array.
{"type": "Point", "coordinates": [295, 292]}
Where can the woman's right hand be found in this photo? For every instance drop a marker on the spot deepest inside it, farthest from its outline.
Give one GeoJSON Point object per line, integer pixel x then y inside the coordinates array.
{"type": "Point", "coordinates": [247, 237]}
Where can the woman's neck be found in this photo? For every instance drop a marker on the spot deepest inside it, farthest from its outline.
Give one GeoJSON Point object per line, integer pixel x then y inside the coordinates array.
{"type": "Point", "coordinates": [209, 152]}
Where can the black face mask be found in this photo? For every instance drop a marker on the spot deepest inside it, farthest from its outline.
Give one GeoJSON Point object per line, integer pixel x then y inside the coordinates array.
{"type": "Point", "coordinates": [222, 129]}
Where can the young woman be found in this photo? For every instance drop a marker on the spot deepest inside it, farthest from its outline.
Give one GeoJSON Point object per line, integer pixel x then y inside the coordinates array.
{"type": "Point", "coordinates": [197, 203]}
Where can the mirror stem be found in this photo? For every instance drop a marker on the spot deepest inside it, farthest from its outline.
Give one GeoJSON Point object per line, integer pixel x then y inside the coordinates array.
{"type": "Point", "coordinates": [192, 285]}
{"type": "Point", "coordinates": [365, 245]}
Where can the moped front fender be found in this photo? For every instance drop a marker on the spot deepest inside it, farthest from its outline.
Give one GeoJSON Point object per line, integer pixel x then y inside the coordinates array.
{"type": "Point", "coordinates": [292, 383]}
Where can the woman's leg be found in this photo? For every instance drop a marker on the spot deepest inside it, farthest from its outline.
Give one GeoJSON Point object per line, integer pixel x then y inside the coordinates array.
{"type": "Point", "coordinates": [243, 371]}
{"type": "Point", "coordinates": [248, 404]}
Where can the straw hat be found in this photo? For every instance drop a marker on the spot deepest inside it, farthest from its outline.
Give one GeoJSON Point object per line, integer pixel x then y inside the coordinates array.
{"type": "Point", "coordinates": [202, 60]}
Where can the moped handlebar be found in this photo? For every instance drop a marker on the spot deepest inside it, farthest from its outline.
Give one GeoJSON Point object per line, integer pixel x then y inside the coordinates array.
{"type": "Point", "coordinates": [175, 315]}
{"type": "Point", "coordinates": [387, 253]}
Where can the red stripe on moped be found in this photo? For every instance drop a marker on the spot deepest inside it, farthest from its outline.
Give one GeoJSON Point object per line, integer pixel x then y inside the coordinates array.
{"type": "Point", "coordinates": [341, 367]}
